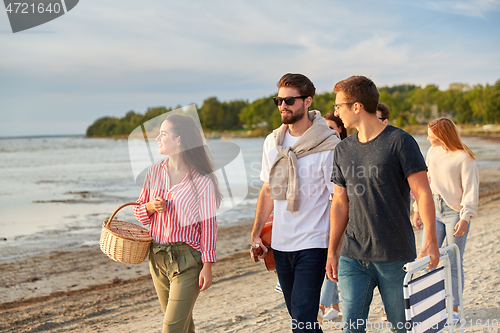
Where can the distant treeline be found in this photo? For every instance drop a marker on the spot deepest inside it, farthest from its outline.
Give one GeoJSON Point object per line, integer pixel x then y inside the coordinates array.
{"type": "Point", "coordinates": [409, 104]}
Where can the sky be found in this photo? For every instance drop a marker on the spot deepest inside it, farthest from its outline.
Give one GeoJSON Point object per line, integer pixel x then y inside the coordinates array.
{"type": "Point", "coordinates": [107, 57]}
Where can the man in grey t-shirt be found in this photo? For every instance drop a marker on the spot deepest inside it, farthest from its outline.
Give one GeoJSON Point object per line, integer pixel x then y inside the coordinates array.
{"type": "Point", "coordinates": [374, 170]}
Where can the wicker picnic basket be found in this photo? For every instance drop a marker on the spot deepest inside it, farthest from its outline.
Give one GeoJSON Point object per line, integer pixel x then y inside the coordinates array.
{"type": "Point", "coordinates": [124, 241]}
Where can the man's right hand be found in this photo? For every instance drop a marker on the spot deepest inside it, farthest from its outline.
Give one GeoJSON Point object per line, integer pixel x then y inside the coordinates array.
{"type": "Point", "coordinates": [264, 208]}
{"type": "Point", "coordinates": [332, 268]}
{"type": "Point", "coordinates": [258, 250]}
{"type": "Point", "coordinates": [431, 250]}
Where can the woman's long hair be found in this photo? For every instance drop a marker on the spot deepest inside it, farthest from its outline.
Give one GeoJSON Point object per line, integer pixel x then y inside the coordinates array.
{"type": "Point", "coordinates": [340, 124]}
{"type": "Point", "coordinates": [445, 130]}
{"type": "Point", "coordinates": [193, 152]}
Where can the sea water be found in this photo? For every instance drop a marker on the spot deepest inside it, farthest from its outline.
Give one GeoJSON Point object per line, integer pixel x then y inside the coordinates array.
{"type": "Point", "coordinates": [57, 191]}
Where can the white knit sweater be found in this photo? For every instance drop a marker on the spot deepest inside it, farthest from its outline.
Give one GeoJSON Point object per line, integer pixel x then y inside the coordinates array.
{"type": "Point", "coordinates": [455, 178]}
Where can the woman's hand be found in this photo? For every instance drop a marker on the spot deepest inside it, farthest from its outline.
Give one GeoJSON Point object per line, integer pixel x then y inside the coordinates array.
{"type": "Point", "coordinates": [160, 205]}
{"type": "Point", "coordinates": [205, 280]}
{"type": "Point", "coordinates": [460, 228]}
{"type": "Point", "coordinates": [157, 205]}
{"type": "Point", "coordinates": [417, 222]}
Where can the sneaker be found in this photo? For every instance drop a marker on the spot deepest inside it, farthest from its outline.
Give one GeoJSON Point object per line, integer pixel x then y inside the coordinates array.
{"type": "Point", "coordinates": [278, 287]}
{"type": "Point", "coordinates": [332, 314]}
{"type": "Point", "coordinates": [456, 318]}
{"type": "Point", "coordinates": [320, 315]}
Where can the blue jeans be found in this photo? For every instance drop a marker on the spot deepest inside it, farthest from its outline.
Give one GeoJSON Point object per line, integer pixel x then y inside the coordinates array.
{"type": "Point", "coordinates": [446, 219]}
{"type": "Point", "coordinates": [301, 275]}
{"type": "Point", "coordinates": [358, 279]}
{"type": "Point", "coordinates": [329, 293]}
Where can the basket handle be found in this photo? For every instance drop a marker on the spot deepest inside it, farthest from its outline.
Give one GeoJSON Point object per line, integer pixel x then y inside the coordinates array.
{"type": "Point", "coordinates": [106, 224]}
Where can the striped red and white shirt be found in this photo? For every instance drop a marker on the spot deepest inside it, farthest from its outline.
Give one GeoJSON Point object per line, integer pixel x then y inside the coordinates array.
{"type": "Point", "coordinates": [190, 216]}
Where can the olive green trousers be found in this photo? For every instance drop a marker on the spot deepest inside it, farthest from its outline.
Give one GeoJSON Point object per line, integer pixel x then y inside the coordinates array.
{"type": "Point", "coordinates": [175, 269]}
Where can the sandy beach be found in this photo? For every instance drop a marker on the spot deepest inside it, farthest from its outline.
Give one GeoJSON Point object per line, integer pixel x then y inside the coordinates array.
{"type": "Point", "coordinates": [81, 290]}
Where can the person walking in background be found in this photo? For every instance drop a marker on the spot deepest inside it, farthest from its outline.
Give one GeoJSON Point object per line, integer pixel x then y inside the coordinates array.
{"type": "Point", "coordinates": [374, 170]}
{"type": "Point", "coordinates": [454, 181]}
{"type": "Point", "coordinates": [383, 113]}
{"type": "Point", "coordinates": [329, 290]}
{"type": "Point", "coordinates": [336, 124]}
{"type": "Point", "coordinates": [297, 162]}
{"type": "Point", "coordinates": [179, 200]}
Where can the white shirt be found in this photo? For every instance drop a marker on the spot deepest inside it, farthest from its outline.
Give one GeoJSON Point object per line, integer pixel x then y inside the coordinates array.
{"type": "Point", "coordinates": [309, 227]}
{"type": "Point", "coordinates": [455, 178]}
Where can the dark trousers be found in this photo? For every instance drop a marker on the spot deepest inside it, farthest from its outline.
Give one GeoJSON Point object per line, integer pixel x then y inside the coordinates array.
{"type": "Point", "coordinates": [301, 275]}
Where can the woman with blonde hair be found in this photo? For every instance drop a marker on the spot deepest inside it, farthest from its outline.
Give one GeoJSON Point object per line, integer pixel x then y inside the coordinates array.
{"type": "Point", "coordinates": [179, 200]}
{"type": "Point", "coordinates": [454, 181]}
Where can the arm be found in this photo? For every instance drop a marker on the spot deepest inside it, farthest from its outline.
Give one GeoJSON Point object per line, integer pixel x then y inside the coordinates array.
{"type": "Point", "coordinates": [208, 223]}
{"type": "Point", "coordinates": [265, 206]}
{"type": "Point", "coordinates": [460, 228]}
{"type": "Point", "coordinates": [420, 187]}
{"type": "Point", "coordinates": [147, 207]}
{"type": "Point", "coordinates": [143, 211]}
{"type": "Point", "coordinates": [208, 240]}
{"type": "Point", "coordinates": [470, 196]}
{"type": "Point", "coordinates": [205, 280]}
{"type": "Point", "coordinates": [417, 221]}
{"type": "Point", "coordinates": [339, 216]}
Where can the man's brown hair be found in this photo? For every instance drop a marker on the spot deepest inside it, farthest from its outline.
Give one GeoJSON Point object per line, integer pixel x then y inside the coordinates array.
{"type": "Point", "coordinates": [298, 81]}
{"type": "Point", "coordinates": [384, 110]}
{"type": "Point", "coordinates": [359, 89]}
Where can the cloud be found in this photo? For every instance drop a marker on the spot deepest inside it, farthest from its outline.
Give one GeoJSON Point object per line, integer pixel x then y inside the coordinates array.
{"type": "Point", "coordinates": [108, 57]}
{"type": "Point", "coordinates": [472, 8]}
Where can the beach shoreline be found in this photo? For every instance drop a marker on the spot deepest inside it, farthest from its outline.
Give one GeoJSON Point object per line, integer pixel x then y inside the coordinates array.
{"type": "Point", "coordinates": [79, 289]}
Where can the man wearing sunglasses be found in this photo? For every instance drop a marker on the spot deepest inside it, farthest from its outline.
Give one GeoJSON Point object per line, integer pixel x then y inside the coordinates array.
{"type": "Point", "coordinates": [374, 170]}
{"type": "Point", "coordinates": [297, 162]}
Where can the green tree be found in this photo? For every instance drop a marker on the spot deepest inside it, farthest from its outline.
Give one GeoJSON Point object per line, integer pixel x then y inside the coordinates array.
{"type": "Point", "coordinates": [232, 110]}
{"type": "Point", "coordinates": [323, 102]}
{"type": "Point", "coordinates": [459, 106]}
{"type": "Point", "coordinates": [467, 104]}
{"type": "Point", "coordinates": [492, 103]}
{"type": "Point", "coordinates": [211, 113]}
{"type": "Point", "coordinates": [397, 98]}
{"type": "Point", "coordinates": [102, 127]}
{"type": "Point", "coordinates": [428, 95]}
{"type": "Point", "coordinates": [261, 113]}
{"type": "Point", "coordinates": [153, 113]}
{"type": "Point", "coordinates": [220, 116]}
{"type": "Point", "coordinates": [476, 101]}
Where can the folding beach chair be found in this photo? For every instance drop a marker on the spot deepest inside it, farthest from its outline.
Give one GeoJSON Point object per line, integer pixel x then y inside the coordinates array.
{"type": "Point", "coordinates": [429, 297]}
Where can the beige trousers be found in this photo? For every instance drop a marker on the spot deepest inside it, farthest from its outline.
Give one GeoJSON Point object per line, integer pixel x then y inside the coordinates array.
{"type": "Point", "coordinates": [175, 269]}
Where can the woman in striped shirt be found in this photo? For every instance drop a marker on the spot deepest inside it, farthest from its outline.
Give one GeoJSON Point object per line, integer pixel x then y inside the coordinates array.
{"type": "Point", "coordinates": [179, 200]}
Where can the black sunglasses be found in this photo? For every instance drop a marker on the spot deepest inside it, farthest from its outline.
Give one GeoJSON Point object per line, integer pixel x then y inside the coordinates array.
{"type": "Point", "coordinates": [288, 100]}
{"type": "Point", "coordinates": [382, 119]}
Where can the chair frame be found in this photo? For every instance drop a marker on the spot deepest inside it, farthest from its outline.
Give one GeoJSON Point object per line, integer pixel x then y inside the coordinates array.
{"type": "Point", "coordinates": [422, 263]}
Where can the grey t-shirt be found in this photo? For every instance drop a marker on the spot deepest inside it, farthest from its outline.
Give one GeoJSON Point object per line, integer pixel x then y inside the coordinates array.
{"type": "Point", "coordinates": [375, 174]}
